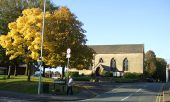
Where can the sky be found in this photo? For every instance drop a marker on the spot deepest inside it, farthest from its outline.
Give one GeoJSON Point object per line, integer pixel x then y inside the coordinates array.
{"type": "Point", "coordinates": [112, 22]}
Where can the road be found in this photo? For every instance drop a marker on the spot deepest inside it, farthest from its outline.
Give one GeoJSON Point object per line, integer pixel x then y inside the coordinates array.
{"type": "Point", "coordinates": [126, 92]}
{"type": "Point", "coordinates": [7, 99]}
{"type": "Point", "coordinates": [130, 92]}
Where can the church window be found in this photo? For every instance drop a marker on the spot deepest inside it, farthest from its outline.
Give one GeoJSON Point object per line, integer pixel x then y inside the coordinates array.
{"type": "Point", "coordinates": [125, 64]}
{"type": "Point", "coordinates": [100, 60]}
{"type": "Point", "coordinates": [112, 64]}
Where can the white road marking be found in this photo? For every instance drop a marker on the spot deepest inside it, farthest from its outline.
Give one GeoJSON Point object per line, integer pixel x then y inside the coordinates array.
{"type": "Point", "coordinates": [104, 93]}
{"type": "Point", "coordinates": [138, 90]}
{"type": "Point", "coordinates": [130, 95]}
{"type": "Point", "coordinates": [126, 97]}
{"type": "Point", "coordinates": [109, 91]}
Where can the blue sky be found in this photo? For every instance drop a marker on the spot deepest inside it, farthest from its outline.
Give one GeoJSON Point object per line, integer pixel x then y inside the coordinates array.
{"type": "Point", "coordinates": [110, 22]}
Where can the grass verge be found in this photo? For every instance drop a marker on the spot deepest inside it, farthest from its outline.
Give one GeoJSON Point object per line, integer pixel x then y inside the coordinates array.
{"type": "Point", "coordinates": [20, 84]}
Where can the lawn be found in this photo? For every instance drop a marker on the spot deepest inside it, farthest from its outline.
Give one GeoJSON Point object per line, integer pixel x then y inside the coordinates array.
{"type": "Point", "coordinates": [20, 84]}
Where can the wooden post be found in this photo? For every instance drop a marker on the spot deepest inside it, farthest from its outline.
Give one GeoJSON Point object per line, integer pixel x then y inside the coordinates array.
{"type": "Point", "coordinates": [26, 70]}
{"type": "Point", "coordinates": [15, 71]}
{"type": "Point", "coordinates": [9, 72]}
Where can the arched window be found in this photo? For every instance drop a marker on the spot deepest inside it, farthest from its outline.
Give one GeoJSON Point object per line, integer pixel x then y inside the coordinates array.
{"type": "Point", "coordinates": [112, 64]}
{"type": "Point", "coordinates": [100, 60]}
{"type": "Point", "coordinates": [125, 64]}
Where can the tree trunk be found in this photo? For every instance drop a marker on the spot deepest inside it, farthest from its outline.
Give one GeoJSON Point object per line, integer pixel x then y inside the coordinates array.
{"type": "Point", "coordinates": [9, 72]}
{"type": "Point", "coordinates": [29, 72]}
{"type": "Point", "coordinates": [26, 70]}
{"type": "Point", "coordinates": [15, 71]}
{"type": "Point", "coordinates": [63, 72]}
{"type": "Point", "coordinates": [43, 71]}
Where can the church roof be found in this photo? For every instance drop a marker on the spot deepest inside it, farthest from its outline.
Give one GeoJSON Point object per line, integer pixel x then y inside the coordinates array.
{"type": "Point", "coordinates": [118, 49]}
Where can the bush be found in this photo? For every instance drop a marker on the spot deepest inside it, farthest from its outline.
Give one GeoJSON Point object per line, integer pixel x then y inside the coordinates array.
{"type": "Point", "coordinates": [124, 80]}
{"type": "Point", "coordinates": [72, 74]}
{"type": "Point", "coordinates": [82, 78]}
{"type": "Point", "coordinates": [106, 73]}
{"type": "Point", "coordinates": [132, 75]}
{"type": "Point", "coordinates": [94, 79]}
{"type": "Point", "coordinates": [1, 72]}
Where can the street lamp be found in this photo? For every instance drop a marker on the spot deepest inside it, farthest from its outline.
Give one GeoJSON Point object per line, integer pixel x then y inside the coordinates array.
{"type": "Point", "coordinates": [41, 58]}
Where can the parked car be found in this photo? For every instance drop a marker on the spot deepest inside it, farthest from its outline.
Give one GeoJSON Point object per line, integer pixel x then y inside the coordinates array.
{"type": "Point", "coordinates": [37, 73]}
{"type": "Point", "coordinates": [150, 80]}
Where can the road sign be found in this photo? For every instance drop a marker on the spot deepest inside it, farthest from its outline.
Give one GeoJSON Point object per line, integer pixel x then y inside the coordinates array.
{"type": "Point", "coordinates": [68, 51]}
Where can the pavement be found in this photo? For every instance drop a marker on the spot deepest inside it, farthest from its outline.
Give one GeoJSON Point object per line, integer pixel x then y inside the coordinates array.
{"type": "Point", "coordinates": [43, 97]}
{"type": "Point", "coordinates": [166, 92]}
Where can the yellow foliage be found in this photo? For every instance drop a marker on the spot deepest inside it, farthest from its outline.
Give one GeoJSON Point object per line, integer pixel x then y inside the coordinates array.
{"type": "Point", "coordinates": [12, 25]}
{"type": "Point", "coordinates": [24, 38]}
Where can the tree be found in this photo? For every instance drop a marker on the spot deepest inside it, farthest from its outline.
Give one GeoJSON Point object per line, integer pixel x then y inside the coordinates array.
{"type": "Point", "coordinates": [161, 69]}
{"type": "Point", "coordinates": [12, 9]}
{"type": "Point", "coordinates": [150, 63]}
{"type": "Point", "coordinates": [62, 30]}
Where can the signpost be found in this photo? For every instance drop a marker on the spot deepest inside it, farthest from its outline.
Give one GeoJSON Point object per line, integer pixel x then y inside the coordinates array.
{"type": "Point", "coordinates": [68, 56]}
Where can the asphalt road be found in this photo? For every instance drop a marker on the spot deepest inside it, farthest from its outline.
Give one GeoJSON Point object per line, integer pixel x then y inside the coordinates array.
{"type": "Point", "coordinates": [130, 92]}
{"type": "Point", "coordinates": [7, 99]}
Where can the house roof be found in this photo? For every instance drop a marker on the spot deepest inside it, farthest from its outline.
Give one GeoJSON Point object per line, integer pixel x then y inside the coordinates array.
{"type": "Point", "coordinates": [117, 49]}
{"type": "Point", "coordinates": [107, 68]}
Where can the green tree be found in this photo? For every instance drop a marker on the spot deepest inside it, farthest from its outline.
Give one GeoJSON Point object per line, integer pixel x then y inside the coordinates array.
{"type": "Point", "coordinates": [161, 69]}
{"type": "Point", "coordinates": [62, 31]}
{"type": "Point", "coordinates": [10, 10]}
{"type": "Point", "coordinates": [150, 63]}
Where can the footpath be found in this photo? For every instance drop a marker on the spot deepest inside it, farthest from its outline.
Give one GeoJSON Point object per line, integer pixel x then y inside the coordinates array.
{"type": "Point", "coordinates": [166, 93]}
{"type": "Point", "coordinates": [43, 97]}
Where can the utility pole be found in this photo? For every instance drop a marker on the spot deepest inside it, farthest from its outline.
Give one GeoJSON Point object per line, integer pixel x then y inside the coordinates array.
{"type": "Point", "coordinates": [41, 58]}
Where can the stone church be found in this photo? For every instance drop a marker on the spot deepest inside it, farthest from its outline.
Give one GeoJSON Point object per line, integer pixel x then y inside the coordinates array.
{"type": "Point", "coordinates": [118, 58]}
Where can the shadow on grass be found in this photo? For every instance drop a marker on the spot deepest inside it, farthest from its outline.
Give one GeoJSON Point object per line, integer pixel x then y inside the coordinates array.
{"type": "Point", "coordinates": [21, 85]}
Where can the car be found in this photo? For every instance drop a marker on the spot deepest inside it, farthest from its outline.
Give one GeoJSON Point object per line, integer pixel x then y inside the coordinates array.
{"type": "Point", "coordinates": [37, 73]}
{"type": "Point", "coordinates": [150, 79]}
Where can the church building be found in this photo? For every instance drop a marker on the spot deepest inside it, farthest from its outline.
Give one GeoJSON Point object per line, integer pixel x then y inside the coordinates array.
{"type": "Point", "coordinates": [118, 58]}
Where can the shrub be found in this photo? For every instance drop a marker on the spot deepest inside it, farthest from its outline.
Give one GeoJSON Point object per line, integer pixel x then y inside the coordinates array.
{"type": "Point", "coordinates": [132, 75]}
{"type": "Point", "coordinates": [1, 72]}
{"type": "Point", "coordinates": [94, 79]}
{"type": "Point", "coordinates": [106, 73]}
{"type": "Point", "coordinates": [72, 74]}
{"type": "Point", "coordinates": [82, 78]}
{"type": "Point", "coordinates": [124, 80]}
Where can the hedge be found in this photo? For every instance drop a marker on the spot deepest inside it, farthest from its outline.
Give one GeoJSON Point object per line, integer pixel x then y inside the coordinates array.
{"type": "Point", "coordinates": [132, 75]}
{"type": "Point", "coordinates": [72, 74]}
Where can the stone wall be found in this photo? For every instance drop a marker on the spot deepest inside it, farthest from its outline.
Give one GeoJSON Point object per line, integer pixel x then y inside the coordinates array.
{"type": "Point", "coordinates": [135, 61]}
{"type": "Point", "coordinates": [81, 72]}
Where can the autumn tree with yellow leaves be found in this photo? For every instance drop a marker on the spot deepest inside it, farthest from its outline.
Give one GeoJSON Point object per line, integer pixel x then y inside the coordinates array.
{"type": "Point", "coordinates": [62, 30]}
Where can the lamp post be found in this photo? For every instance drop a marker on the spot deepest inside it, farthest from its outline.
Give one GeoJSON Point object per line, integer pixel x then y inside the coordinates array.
{"type": "Point", "coordinates": [41, 58]}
